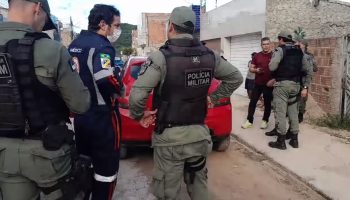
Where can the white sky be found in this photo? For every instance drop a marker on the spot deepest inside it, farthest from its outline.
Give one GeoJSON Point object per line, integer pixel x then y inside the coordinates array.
{"type": "Point", "coordinates": [130, 9]}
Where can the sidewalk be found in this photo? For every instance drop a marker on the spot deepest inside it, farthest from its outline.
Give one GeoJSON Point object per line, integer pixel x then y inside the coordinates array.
{"type": "Point", "coordinates": [323, 161]}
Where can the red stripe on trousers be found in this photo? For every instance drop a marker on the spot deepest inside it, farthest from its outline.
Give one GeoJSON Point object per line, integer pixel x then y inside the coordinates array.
{"type": "Point", "coordinates": [116, 129]}
{"type": "Point", "coordinates": [111, 190]}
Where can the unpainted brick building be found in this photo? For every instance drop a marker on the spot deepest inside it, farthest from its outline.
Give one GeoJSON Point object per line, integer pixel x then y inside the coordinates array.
{"type": "Point", "coordinates": [326, 24]}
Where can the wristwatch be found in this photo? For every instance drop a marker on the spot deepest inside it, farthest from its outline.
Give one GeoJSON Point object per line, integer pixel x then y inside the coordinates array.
{"type": "Point", "coordinates": [305, 87]}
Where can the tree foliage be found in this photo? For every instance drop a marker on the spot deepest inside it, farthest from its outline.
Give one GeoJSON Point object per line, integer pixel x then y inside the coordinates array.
{"type": "Point", "coordinates": [299, 34]}
{"type": "Point", "coordinates": [127, 51]}
{"type": "Point", "coordinates": [125, 39]}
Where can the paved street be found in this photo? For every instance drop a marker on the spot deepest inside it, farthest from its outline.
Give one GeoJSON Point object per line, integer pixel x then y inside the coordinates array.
{"type": "Point", "coordinates": [238, 174]}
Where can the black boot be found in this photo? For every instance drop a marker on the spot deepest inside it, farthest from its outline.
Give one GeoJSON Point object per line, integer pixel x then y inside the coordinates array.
{"type": "Point", "coordinates": [271, 133]}
{"type": "Point", "coordinates": [289, 134]}
{"type": "Point", "coordinates": [301, 117]}
{"type": "Point", "coordinates": [280, 143]}
{"type": "Point", "coordinates": [294, 141]}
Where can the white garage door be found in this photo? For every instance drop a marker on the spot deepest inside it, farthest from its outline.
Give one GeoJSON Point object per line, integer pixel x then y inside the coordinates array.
{"type": "Point", "coordinates": [241, 49]}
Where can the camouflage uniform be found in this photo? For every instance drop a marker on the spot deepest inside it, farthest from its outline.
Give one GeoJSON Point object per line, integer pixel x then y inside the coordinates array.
{"type": "Point", "coordinates": [285, 96]}
{"type": "Point", "coordinates": [180, 144]}
{"type": "Point", "coordinates": [26, 167]}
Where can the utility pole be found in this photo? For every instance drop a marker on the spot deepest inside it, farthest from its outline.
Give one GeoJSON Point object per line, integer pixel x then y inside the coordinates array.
{"type": "Point", "coordinates": [216, 3]}
{"type": "Point", "coordinates": [71, 29]}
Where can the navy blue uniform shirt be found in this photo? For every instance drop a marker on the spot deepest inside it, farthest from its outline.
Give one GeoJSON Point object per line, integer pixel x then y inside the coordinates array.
{"type": "Point", "coordinates": [93, 57]}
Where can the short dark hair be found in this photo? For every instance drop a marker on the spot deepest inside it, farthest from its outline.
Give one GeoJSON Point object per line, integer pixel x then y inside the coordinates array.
{"type": "Point", "coordinates": [102, 12]}
{"type": "Point", "coordinates": [181, 30]}
{"type": "Point", "coordinates": [265, 39]}
{"type": "Point", "coordinates": [285, 39]}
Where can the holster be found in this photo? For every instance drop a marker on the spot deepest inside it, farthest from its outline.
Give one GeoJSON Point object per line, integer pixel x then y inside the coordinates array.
{"type": "Point", "coordinates": [54, 136]}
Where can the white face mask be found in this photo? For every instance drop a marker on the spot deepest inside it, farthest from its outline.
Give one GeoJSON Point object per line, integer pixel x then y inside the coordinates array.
{"type": "Point", "coordinates": [115, 36]}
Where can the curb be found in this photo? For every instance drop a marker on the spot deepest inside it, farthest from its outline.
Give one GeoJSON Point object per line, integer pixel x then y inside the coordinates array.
{"type": "Point", "coordinates": [268, 158]}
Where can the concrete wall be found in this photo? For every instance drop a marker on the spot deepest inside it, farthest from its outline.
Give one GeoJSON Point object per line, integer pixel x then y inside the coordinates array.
{"type": "Point", "coordinates": [237, 17]}
{"type": "Point", "coordinates": [331, 18]}
{"type": "Point", "coordinates": [4, 12]}
{"type": "Point", "coordinates": [214, 44]}
{"type": "Point", "coordinates": [66, 36]}
{"type": "Point", "coordinates": [151, 31]}
{"type": "Point", "coordinates": [156, 23]}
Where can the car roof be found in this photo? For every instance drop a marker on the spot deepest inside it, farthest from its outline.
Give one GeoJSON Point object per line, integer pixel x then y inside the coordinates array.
{"type": "Point", "coordinates": [136, 58]}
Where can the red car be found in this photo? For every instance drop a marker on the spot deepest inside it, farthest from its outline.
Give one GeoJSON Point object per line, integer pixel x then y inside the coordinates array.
{"type": "Point", "coordinates": [219, 118]}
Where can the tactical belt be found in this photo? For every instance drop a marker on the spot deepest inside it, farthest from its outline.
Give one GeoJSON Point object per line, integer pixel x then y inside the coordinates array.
{"type": "Point", "coordinates": [295, 79]}
{"type": "Point", "coordinates": [161, 126]}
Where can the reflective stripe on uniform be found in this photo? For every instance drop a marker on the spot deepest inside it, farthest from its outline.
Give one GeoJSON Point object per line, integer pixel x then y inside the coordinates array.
{"type": "Point", "coordinates": [105, 179]}
{"type": "Point", "coordinates": [103, 74]}
{"type": "Point", "coordinates": [90, 64]}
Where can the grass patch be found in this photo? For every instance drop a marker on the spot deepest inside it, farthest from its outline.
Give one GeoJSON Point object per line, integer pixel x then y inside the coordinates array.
{"type": "Point", "coordinates": [333, 122]}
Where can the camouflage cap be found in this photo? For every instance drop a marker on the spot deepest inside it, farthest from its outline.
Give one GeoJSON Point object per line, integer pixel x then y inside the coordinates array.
{"type": "Point", "coordinates": [184, 17]}
{"type": "Point", "coordinates": [285, 34]}
{"type": "Point", "coordinates": [49, 25]}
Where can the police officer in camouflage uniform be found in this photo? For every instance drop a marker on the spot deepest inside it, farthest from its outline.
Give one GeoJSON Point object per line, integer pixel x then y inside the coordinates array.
{"type": "Point", "coordinates": [180, 74]}
{"type": "Point", "coordinates": [303, 43]}
{"type": "Point", "coordinates": [288, 64]}
{"type": "Point", "coordinates": [38, 87]}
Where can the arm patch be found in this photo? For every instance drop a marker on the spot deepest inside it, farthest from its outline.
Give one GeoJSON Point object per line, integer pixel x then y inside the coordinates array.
{"type": "Point", "coordinates": [105, 61]}
{"type": "Point", "coordinates": [145, 66]}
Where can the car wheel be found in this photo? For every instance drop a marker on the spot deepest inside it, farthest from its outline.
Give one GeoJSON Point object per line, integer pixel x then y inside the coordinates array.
{"type": "Point", "coordinates": [222, 145]}
{"type": "Point", "coordinates": [123, 154]}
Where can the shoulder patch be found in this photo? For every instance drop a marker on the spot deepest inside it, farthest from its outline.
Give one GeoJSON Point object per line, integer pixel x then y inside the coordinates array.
{"type": "Point", "coordinates": [74, 63]}
{"type": "Point", "coordinates": [105, 61]}
{"type": "Point", "coordinates": [145, 66]}
{"type": "Point", "coordinates": [5, 71]}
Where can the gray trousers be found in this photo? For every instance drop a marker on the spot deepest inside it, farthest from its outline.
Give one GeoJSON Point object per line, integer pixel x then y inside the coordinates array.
{"type": "Point", "coordinates": [285, 102]}
{"type": "Point", "coordinates": [169, 162]}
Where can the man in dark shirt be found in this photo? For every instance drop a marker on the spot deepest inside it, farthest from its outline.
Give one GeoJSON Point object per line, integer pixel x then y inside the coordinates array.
{"type": "Point", "coordinates": [260, 66]}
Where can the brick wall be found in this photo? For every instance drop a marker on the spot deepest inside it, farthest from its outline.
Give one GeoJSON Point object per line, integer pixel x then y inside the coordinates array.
{"type": "Point", "coordinates": [326, 84]}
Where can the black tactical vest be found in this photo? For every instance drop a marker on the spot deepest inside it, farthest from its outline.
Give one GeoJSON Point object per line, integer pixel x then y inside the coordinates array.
{"type": "Point", "coordinates": [183, 97]}
{"type": "Point", "coordinates": [290, 67]}
{"type": "Point", "coordinates": [26, 106]}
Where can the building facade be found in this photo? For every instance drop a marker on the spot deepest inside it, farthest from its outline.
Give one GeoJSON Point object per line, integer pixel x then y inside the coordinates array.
{"type": "Point", "coordinates": [235, 30]}
{"type": "Point", "coordinates": [151, 32]}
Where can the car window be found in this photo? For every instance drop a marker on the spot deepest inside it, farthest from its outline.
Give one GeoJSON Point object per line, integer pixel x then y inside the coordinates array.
{"type": "Point", "coordinates": [135, 70]}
